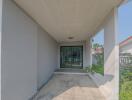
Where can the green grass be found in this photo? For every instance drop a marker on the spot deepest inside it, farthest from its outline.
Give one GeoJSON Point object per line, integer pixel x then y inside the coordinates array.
{"type": "Point", "coordinates": [95, 68]}
{"type": "Point", "coordinates": [98, 69]}
{"type": "Point", "coordinates": [126, 91]}
{"type": "Point", "coordinates": [126, 83]}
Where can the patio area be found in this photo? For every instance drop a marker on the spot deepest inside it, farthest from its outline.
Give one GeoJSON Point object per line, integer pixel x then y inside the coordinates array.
{"type": "Point", "coordinates": [39, 37]}
{"type": "Point", "coordinates": [70, 87]}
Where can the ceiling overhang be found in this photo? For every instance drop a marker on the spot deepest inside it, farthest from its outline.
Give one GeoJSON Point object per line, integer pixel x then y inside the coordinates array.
{"type": "Point", "coordinates": [68, 20]}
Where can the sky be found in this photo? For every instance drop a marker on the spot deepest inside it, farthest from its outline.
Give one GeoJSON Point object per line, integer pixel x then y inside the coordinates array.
{"type": "Point", "coordinates": [124, 24]}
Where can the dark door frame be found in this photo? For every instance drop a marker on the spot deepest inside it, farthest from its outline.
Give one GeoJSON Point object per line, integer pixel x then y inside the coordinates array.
{"type": "Point", "coordinates": [72, 46]}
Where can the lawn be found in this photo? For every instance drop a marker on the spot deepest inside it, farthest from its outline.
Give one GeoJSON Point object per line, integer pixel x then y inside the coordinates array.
{"type": "Point", "coordinates": [95, 68]}
{"type": "Point", "coordinates": [126, 83]}
{"type": "Point", "coordinates": [98, 69]}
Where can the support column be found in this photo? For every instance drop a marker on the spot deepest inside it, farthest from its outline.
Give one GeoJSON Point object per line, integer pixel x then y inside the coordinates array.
{"type": "Point", "coordinates": [111, 56]}
{"type": "Point", "coordinates": [88, 53]}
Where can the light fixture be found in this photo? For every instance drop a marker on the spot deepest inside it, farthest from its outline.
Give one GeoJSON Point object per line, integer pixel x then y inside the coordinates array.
{"type": "Point", "coordinates": [70, 37]}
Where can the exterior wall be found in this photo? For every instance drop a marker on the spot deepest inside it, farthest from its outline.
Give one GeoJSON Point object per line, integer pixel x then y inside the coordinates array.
{"type": "Point", "coordinates": [94, 60]}
{"type": "Point", "coordinates": [85, 58]}
{"type": "Point", "coordinates": [19, 54]}
{"type": "Point", "coordinates": [20, 65]}
{"type": "Point", "coordinates": [47, 54]}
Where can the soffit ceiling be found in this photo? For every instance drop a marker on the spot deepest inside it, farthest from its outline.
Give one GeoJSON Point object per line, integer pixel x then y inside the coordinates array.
{"type": "Point", "coordinates": [68, 18]}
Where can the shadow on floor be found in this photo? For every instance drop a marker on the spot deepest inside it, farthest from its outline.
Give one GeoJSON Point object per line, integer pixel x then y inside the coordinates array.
{"type": "Point", "coordinates": [70, 87]}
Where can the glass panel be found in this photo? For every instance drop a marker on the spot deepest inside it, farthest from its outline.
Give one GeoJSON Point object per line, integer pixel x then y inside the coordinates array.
{"type": "Point", "coordinates": [71, 57]}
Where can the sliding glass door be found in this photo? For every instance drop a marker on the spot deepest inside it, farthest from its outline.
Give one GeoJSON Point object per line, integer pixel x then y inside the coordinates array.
{"type": "Point", "coordinates": [71, 56]}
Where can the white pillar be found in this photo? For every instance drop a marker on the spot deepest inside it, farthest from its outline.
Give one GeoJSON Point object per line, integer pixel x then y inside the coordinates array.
{"type": "Point", "coordinates": [88, 53]}
{"type": "Point", "coordinates": [111, 56]}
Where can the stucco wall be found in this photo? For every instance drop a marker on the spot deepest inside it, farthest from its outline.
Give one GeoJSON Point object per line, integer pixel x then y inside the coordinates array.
{"type": "Point", "coordinates": [26, 51]}
{"type": "Point", "coordinates": [47, 56]}
{"type": "Point", "coordinates": [19, 54]}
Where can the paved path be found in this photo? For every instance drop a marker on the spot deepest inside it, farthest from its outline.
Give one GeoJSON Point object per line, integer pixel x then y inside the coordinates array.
{"type": "Point", "coordinates": [70, 87]}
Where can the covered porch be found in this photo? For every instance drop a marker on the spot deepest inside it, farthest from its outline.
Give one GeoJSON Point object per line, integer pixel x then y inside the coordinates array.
{"type": "Point", "coordinates": [33, 36]}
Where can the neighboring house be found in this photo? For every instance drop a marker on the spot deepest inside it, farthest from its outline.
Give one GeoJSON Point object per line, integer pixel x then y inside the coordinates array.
{"type": "Point", "coordinates": [97, 50]}
{"type": "Point", "coordinates": [125, 48]}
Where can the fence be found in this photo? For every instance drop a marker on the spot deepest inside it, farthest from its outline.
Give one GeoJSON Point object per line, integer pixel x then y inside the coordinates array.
{"type": "Point", "coordinates": [125, 59]}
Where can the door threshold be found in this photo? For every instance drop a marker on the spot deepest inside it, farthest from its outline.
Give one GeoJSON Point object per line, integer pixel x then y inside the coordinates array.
{"type": "Point", "coordinates": [70, 71]}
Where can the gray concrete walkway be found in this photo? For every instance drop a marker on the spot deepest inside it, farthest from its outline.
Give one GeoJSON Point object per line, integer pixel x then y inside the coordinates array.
{"type": "Point", "coordinates": [70, 87]}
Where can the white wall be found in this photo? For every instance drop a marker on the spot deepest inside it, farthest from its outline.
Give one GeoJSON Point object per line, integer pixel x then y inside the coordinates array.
{"type": "Point", "coordinates": [19, 54]}
{"type": "Point", "coordinates": [47, 56]}
{"type": "Point", "coordinates": [21, 60]}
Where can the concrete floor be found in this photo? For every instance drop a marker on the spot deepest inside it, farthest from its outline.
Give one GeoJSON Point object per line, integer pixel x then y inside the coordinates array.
{"type": "Point", "coordinates": [70, 87]}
